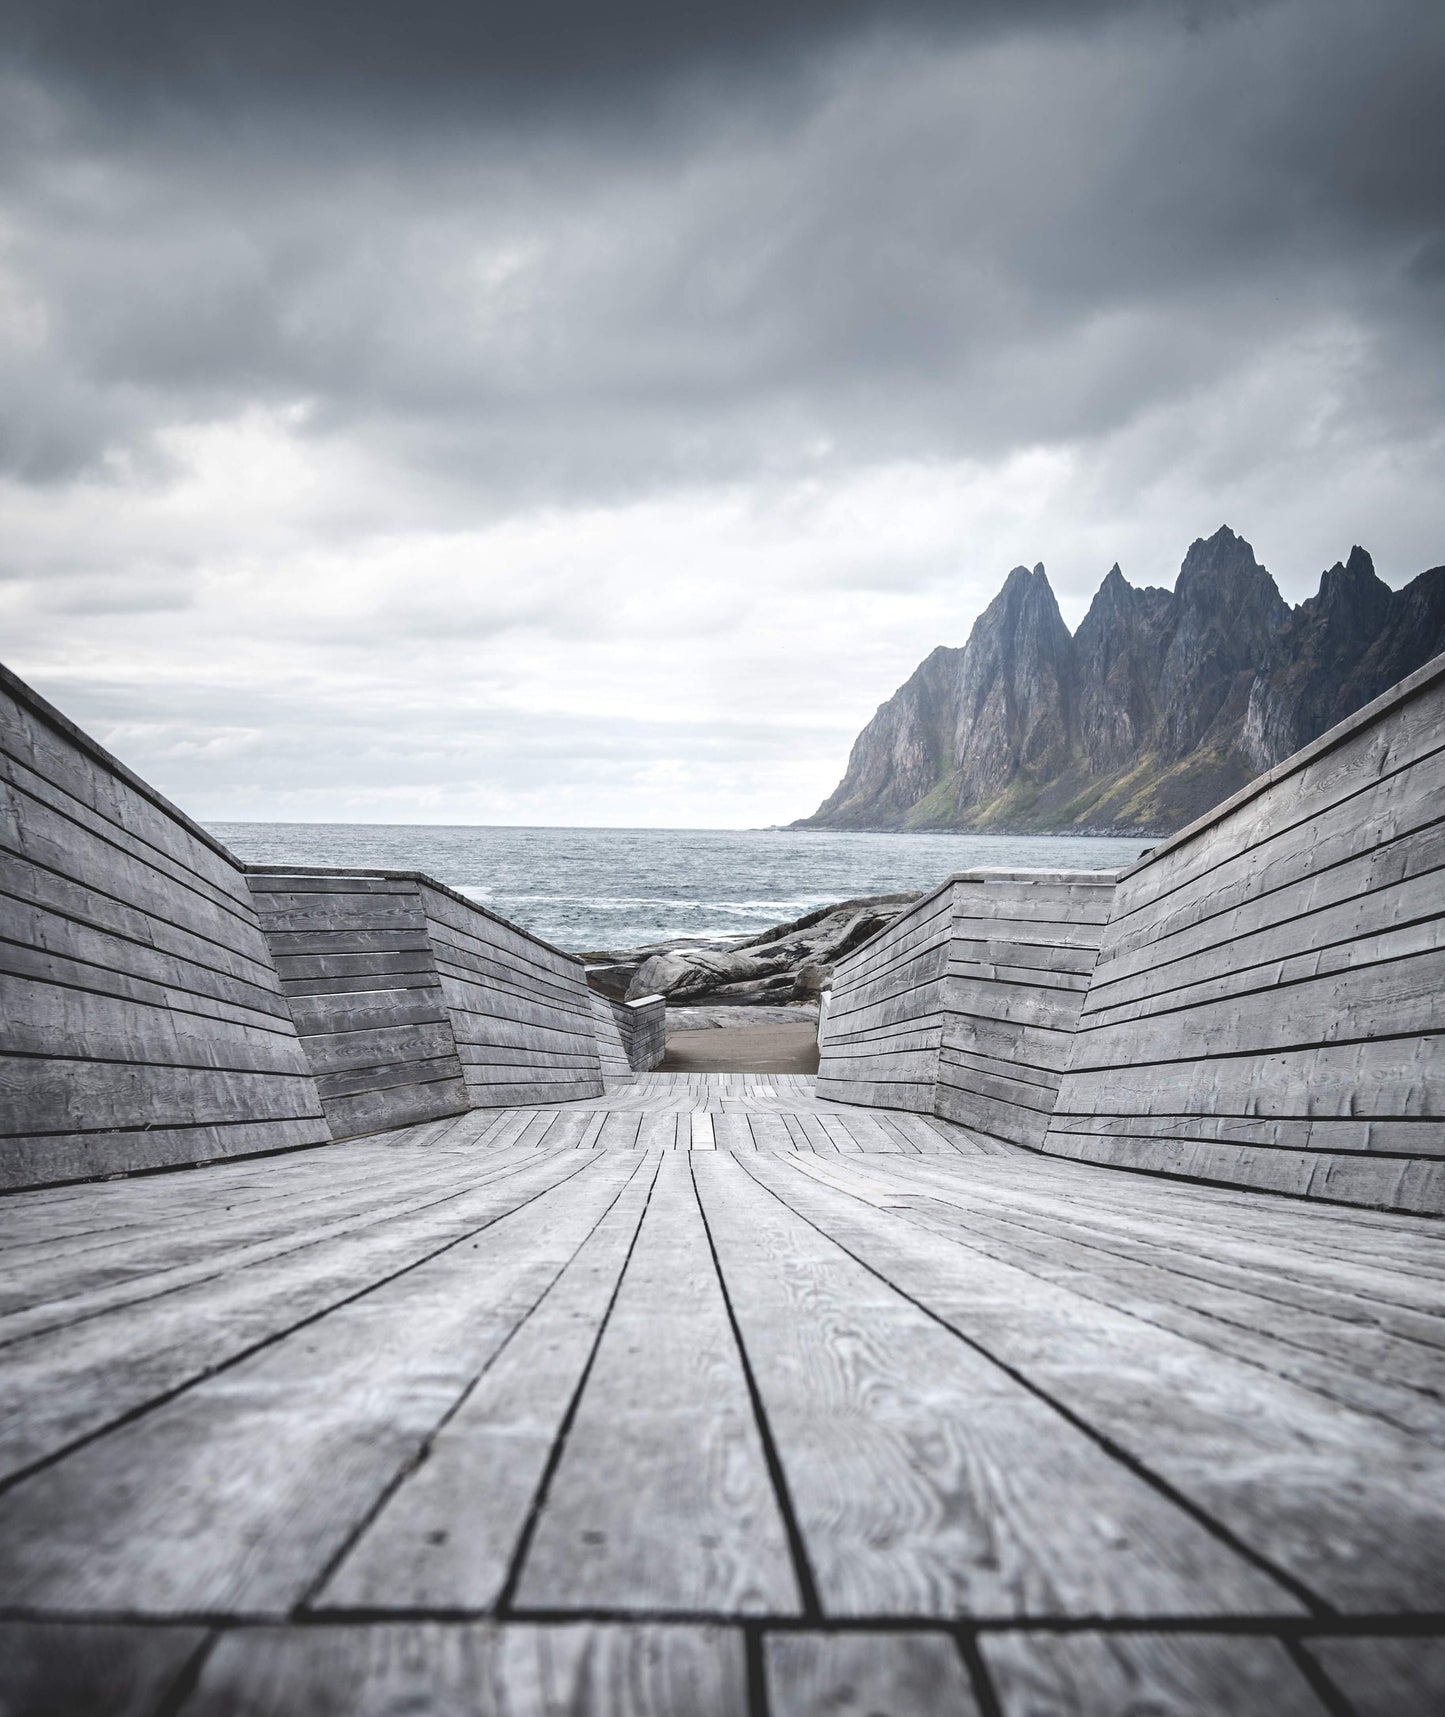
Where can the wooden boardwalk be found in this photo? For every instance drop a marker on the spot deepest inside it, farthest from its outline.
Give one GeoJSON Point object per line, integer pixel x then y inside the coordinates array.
{"type": "Point", "coordinates": [709, 1397]}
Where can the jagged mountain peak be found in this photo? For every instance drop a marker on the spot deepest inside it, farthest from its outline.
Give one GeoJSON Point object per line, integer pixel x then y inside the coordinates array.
{"type": "Point", "coordinates": [1163, 703]}
{"type": "Point", "coordinates": [1352, 593]}
{"type": "Point", "coordinates": [1116, 596]}
{"type": "Point", "coordinates": [1026, 604]}
{"type": "Point", "coordinates": [1222, 569]}
{"type": "Point", "coordinates": [1020, 582]}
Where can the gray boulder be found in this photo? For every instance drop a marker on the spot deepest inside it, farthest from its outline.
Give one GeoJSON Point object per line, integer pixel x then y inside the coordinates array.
{"type": "Point", "coordinates": [790, 962]}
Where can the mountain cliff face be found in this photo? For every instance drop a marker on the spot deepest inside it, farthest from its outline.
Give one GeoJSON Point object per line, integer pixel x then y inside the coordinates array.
{"type": "Point", "coordinates": [1162, 704]}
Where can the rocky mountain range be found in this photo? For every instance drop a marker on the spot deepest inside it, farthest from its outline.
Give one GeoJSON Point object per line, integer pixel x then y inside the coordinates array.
{"type": "Point", "coordinates": [1159, 706]}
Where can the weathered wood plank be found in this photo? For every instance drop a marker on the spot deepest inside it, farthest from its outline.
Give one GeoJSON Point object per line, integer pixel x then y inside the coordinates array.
{"type": "Point", "coordinates": [662, 1498]}
{"type": "Point", "coordinates": [1382, 1677]}
{"type": "Point", "coordinates": [91, 1669]}
{"type": "Point", "coordinates": [50, 1094]}
{"type": "Point", "coordinates": [925, 1480]}
{"type": "Point", "coordinates": [1364, 1540]}
{"type": "Point", "coordinates": [147, 1024]}
{"type": "Point", "coordinates": [1384, 1183]}
{"type": "Point", "coordinates": [448, 1538]}
{"type": "Point", "coordinates": [87, 1365]}
{"type": "Point", "coordinates": [518, 1670]}
{"type": "Point", "coordinates": [881, 1674]}
{"type": "Point", "coordinates": [1401, 1381]}
{"type": "Point", "coordinates": [1176, 1675]}
{"type": "Point", "coordinates": [48, 944]}
{"type": "Point", "coordinates": [1245, 940]}
{"type": "Point", "coordinates": [1388, 993]}
{"type": "Point", "coordinates": [269, 1468]}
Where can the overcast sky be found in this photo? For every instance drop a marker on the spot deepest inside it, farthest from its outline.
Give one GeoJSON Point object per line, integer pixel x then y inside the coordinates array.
{"type": "Point", "coordinates": [588, 413]}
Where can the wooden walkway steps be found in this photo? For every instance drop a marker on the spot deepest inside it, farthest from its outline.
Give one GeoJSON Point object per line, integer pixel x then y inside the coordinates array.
{"type": "Point", "coordinates": [710, 1396]}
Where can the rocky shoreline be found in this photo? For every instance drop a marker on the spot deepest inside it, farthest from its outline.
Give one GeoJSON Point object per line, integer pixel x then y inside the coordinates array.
{"type": "Point", "coordinates": [787, 964]}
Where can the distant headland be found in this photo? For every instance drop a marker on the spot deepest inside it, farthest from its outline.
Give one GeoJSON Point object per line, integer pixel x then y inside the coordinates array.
{"type": "Point", "coordinates": [1162, 704]}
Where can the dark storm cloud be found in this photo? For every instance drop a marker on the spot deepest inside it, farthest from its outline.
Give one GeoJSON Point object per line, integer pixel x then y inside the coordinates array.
{"type": "Point", "coordinates": [176, 52]}
{"type": "Point", "coordinates": [958, 230]}
{"type": "Point", "coordinates": [830, 236]}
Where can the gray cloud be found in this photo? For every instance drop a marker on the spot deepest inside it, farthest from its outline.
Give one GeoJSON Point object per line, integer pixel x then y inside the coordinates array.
{"type": "Point", "coordinates": [1017, 236]}
{"type": "Point", "coordinates": [639, 290]}
{"type": "Point", "coordinates": [166, 56]}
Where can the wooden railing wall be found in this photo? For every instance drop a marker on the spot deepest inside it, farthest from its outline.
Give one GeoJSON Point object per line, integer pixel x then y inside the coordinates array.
{"type": "Point", "coordinates": [164, 1003]}
{"type": "Point", "coordinates": [358, 969]}
{"type": "Point", "coordinates": [143, 1022]}
{"type": "Point", "coordinates": [631, 1036]}
{"type": "Point", "coordinates": [964, 1006]}
{"type": "Point", "coordinates": [1268, 1007]}
{"type": "Point", "coordinates": [1259, 1002]}
{"type": "Point", "coordinates": [415, 1002]}
{"type": "Point", "coordinates": [1020, 955]}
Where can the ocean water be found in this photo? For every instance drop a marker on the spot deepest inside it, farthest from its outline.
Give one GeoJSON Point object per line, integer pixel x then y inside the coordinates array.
{"type": "Point", "coordinates": [591, 889]}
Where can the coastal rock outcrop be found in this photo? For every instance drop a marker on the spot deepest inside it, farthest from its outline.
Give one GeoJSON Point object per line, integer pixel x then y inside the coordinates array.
{"type": "Point", "coordinates": [1159, 706]}
{"type": "Point", "coordinates": [788, 963]}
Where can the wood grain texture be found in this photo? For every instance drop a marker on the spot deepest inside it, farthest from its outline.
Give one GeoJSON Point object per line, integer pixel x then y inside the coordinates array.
{"type": "Point", "coordinates": [1278, 1467]}
{"type": "Point", "coordinates": [183, 1510]}
{"type": "Point", "coordinates": [520, 1010]}
{"type": "Point", "coordinates": [456, 1411]}
{"type": "Point", "coordinates": [413, 1004]}
{"type": "Point", "coordinates": [645, 1032]}
{"type": "Point", "coordinates": [880, 1041]}
{"type": "Point", "coordinates": [73, 1367]}
{"type": "Point", "coordinates": [91, 1669]}
{"type": "Point", "coordinates": [446, 1540]}
{"type": "Point", "coordinates": [383, 1050]}
{"type": "Point", "coordinates": [867, 1675]}
{"type": "Point", "coordinates": [1382, 1677]}
{"type": "Point", "coordinates": [966, 1006]}
{"type": "Point", "coordinates": [516, 1670]}
{"type": "Point", "coordinates": [611, 1050]}
{"type": "Point", "coordinates": [1123, 1675]}
{"type": "Point", "coordinates": [922, 1475]}
{"type": "Point", "coordinates": [1268, 1008]}
{"type": "Point", "coordinates": [143, 1020]}
{"type": "Point", "coordinates": [662, 1499]}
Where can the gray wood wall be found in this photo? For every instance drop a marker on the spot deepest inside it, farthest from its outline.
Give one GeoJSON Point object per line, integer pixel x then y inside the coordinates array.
{"type": "Point", "coordinates": [964, 1006]}
{"type": "Point", "coordinates": [1269, 1000]}
{"type": "Point", "coordinates": [415, 1002]}
{"type": "Point", "coordinates": [885, 1014]}
{"type": "Point", "coordinates": [631, 1036]}
{"type": "Point", "coordinates": [143, 1021]}
{"type": "Point", "coordinates": [521, 1011]}
{"type": "Point", "coordinates": [1022, 945]}
{"type": "Point", "coordinates": [164, 1004]}
{"type": "Point", "coordinates": [357, 966]}
{"type": "Point", "coordinates": [644, 1032]}
{"type": "Point", "coordinates": [610, 1047]}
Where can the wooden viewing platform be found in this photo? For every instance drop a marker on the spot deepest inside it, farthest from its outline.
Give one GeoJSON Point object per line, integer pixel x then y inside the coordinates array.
{"type": "Point", "coordinates": [705, 1397]}
{"type": "Point", "coordinates": [379, 1338]}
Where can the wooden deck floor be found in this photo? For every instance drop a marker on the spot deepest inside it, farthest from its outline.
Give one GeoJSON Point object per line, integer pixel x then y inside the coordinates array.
{"type": "Point", "coordinates": [708, 1397]}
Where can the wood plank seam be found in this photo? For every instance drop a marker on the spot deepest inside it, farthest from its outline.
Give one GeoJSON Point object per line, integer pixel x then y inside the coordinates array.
{"type": "Point", "coordinates": [424, 1448]}
{"type": "Point", "coordinates": [1312, 1600]}
{"type": "Point", "coordinates": [1133, 1309]}
{"type": "Point", "coordinates": [10, 1480]}
{"type": "Point", "coordinates": [802, 1564]}
{"type": "Point", "coordinates": [506, 1597]}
